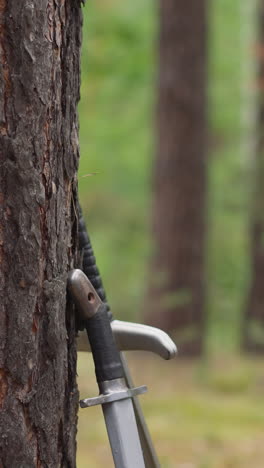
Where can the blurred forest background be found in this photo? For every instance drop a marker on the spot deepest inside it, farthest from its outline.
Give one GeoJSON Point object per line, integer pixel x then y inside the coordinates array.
{"type": "Point", "coordinates": [189, 260]}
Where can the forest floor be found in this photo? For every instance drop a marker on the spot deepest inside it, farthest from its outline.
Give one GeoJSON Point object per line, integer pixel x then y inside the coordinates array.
{"type": "Point", "coordinates": [200, 415]}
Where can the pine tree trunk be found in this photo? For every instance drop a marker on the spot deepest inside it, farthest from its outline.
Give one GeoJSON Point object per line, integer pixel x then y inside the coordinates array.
{"type": "Point", "coordinates": [177, 292]}
{"type": "Point", "coordinates": [253, 333]}
{"type": "Point", "coordinates": [39, 83]}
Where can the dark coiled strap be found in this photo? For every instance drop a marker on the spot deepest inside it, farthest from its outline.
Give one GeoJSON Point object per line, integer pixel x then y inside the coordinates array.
{"type": "Point", "coordinates": [89, 266]}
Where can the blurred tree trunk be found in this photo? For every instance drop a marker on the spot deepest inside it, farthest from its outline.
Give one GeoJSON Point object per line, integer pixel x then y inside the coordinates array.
{"type": "Point", "coordinates": [177, 291]}
{"type": "Point", "coordinates": [253, 333]}
{"type": "Point", "coordinates": [39, 82]}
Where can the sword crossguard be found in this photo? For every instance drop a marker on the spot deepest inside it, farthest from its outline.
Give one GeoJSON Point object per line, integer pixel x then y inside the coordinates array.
{"type": "Point", "coordinates": [113, 390]}
{"type": "Point", "coordinates": [136, 337]}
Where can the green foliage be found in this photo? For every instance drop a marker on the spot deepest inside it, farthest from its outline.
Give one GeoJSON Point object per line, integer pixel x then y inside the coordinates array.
{"type": "Point", "coordinates": [229, 173]}
{"type": "Point", "coordinates": [117, 136]}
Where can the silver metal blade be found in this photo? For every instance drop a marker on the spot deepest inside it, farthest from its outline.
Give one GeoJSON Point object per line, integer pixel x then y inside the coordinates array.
{"type": "Point", "coordinates": [149, 453]}
{"type": "Point", "coordinates": [123, 433]}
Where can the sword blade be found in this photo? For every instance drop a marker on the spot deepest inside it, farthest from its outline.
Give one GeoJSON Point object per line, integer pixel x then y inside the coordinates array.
{"type": "Point", "coordinates": [123, 434]}
{"type": "Point", "coordinates": [149, 453]}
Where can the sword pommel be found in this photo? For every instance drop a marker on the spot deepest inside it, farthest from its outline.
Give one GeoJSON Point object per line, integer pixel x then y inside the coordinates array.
{"type": "Point", "coordinates": [83, 294]}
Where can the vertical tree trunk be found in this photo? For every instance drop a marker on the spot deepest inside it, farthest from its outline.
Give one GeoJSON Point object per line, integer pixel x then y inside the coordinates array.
{"type": "Point", "coordinates": [253, 333]}
{"type": "Point", "coordinates": [39, 83]}
{"type": "Point", "coordinates": [177, 293]}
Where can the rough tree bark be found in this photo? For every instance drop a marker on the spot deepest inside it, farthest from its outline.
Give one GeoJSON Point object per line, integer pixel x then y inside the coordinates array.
{"type": "Point", "coordinates": [253, 330]}
{"type": "Point", "coordinates": [39, 91]}
{"type": "Point", "coordinates": [177, 292]}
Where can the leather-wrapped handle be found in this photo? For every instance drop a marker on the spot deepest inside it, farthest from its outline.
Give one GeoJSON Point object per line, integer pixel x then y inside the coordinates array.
{"type": "Point", "coordinates": [106, 356]}
{"type": "Point", "coordinates": [89, 266]}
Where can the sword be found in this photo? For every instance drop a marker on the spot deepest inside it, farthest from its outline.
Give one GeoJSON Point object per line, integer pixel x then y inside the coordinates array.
{"type": "Point", "coordinates": [128, 337]}
{"type": "Point", "coordinates": [115, 397]}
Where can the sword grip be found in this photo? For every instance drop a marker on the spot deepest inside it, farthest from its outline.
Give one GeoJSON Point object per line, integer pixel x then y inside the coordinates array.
{"type": "Point", "coordinates": [107, 361]}
{"type": "Point", "coordinates": [89, 266]}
